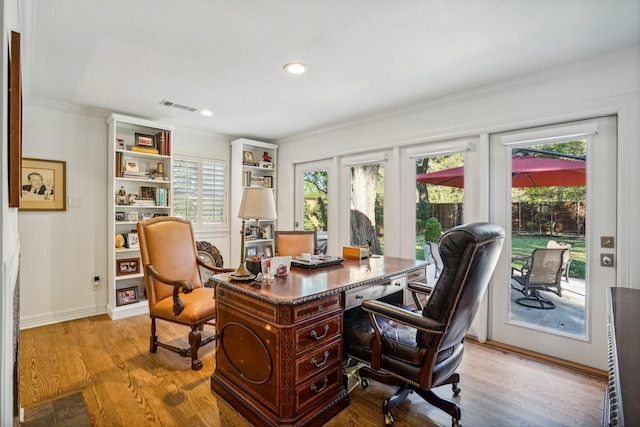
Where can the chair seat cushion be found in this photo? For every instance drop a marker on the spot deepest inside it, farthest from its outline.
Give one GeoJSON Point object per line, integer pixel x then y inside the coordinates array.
{"type": "Point", "coordinates": [398, 340]}
{"type": "Point", "coordinates": [199, 306]}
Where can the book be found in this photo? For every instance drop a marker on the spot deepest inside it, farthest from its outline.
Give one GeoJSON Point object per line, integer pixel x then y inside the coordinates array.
{"type": "Point", "coordinates": [146, 150]}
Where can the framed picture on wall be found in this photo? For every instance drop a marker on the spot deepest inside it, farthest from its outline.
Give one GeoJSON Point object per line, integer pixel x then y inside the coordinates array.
{"type": "Point", "coordinates": [43, 185]}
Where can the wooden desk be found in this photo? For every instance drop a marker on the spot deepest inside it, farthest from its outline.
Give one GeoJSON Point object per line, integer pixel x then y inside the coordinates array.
{"type": "Point", "coordinates": [279, 356]}
{"type": "Point", "coordinates": [622, 403]}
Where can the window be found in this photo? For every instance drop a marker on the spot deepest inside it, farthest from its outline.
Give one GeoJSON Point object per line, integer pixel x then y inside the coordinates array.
{"type": "Point", "coordinates": [199, 191]}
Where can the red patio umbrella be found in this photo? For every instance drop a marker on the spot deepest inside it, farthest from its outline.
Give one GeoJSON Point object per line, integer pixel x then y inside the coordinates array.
{"type": "Point", "coordinates": [527, 171]}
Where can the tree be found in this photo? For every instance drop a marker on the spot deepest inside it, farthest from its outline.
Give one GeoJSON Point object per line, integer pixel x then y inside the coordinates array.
{"type": "Point", "coordinates": [364, 189]}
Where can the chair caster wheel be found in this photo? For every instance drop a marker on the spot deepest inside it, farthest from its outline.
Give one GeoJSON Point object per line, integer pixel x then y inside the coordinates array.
{"type": "Point", "coordinates": [455, 388]}
{"type": "Point", "coordinates": [388, 420]}
{"type": "Point", "coordinates": [365, 383]}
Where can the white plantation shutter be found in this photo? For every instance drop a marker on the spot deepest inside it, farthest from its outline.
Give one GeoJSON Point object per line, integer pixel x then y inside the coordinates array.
{"type": "Point", "coordinates": [199, 191]}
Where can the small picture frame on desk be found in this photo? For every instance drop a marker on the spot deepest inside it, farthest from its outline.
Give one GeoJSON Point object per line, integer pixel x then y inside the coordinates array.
{"type": "Point", "coordinates": [126, 296]}
{"type": "Point", "coordinates": [147, 141]}
{"type": "Point", "coordinates": [127, 266]}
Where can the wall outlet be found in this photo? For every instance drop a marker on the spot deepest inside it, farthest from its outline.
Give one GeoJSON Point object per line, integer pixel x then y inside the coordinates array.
{"type": "Point", "coordinates": [96, 284]}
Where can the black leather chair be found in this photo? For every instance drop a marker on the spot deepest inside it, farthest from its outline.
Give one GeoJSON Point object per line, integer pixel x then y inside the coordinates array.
{"type": "Point", "coordinates": [421, 349]}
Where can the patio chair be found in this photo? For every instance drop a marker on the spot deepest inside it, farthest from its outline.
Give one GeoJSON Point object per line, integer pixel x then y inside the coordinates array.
{"type": "Point", "coordinates": [543, 272]}
{"type": "Point", "coordinates": [566, 258]}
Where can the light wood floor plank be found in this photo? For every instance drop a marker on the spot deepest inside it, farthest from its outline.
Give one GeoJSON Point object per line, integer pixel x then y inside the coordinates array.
{"type": "Point", "coordinates": [125, 385]}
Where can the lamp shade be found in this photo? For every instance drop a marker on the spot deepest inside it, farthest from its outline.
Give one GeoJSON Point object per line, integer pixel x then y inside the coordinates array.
{"type": "Point", "coordinates": [257, 203]}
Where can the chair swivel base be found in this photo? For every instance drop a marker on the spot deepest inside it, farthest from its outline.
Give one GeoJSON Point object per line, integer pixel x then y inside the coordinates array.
{"type": "Point", "coordinates": [535, 300]}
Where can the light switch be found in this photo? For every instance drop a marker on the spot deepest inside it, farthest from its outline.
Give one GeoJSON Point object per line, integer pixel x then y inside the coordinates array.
{"type": "Point", "coordinates": [75, 201]}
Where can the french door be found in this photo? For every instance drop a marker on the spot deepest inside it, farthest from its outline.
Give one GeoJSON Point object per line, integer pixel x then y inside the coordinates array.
{"type": "Point", "coordinates": [312, 200]}
{"type": "Point", "coordinates": [573, 326]}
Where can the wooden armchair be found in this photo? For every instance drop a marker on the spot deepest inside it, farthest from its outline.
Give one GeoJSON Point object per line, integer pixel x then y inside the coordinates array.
{"type": "Point", "coordinates": [295, 243]}
{"type": "Point", "coordinates": [174, 284]}
{"type": "Point", "coordinates": [418, 350]}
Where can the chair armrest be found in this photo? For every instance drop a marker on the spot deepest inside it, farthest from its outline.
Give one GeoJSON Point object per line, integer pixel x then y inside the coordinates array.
{"type": "Point", "coordinates": [186, 287]}
{"type": "Point", "coordinates": [401, 315]}
{"type": "Point", "coordinates": [214, 268]}
{"type": "Point", "coordinates": [419, 287]}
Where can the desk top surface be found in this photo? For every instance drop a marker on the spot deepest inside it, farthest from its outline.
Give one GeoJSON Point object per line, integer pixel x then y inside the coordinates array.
{"type": "Point", "coordinates": [301, 284]}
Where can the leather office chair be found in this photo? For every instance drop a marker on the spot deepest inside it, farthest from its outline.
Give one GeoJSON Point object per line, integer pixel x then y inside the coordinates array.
{"type": "Point", "coordinates": [173, 282]}
{"type": "Point", "coordinates": [421, 349]}
{"type": "Point", "coordinates": [295, 243]}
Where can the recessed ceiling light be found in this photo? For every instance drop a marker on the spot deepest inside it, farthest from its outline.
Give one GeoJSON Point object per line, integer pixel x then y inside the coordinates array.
{"type": "Point", "coordinates": [295, 68]}
{"type": "Point", "coordinates": [206, 113]}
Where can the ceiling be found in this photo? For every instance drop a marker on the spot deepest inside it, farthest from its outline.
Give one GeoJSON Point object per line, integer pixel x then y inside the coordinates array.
{"type": "Point", "coordinates": [364, 57]}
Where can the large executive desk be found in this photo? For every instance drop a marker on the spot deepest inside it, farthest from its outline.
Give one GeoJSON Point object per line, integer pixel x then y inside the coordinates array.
{"type": "Point", "coordinates": [279, 356]}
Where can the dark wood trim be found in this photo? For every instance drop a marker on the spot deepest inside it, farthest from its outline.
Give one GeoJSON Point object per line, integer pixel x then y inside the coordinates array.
{"type": "Point", "coordinates": [15, 122]}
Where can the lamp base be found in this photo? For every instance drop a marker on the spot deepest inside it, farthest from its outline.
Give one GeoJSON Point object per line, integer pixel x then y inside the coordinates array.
{"type": "Point", "coordinates": [242, 274]}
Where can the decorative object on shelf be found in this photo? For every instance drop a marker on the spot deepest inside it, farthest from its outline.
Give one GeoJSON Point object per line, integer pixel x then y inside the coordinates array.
{"type": "Point", "coordinates": [267, 231]}
{"type": "Point", "coordinates": [131, 165]}
{"type": "Point", "coordinates": [127, 266]}
{"type": "Point", "coordinates": [120, 241]}
{"type": "Point", "coordinates": [145, 144]}
{"type": "Point", "coordinates": [250, 252]}
{"type": "Point", "coordinates": [44, 185]}
{"type": "Point", "coordinates": [121, 197]}
{"type": "Point", "coordinates": [146, 215]}
{"type": "Point", "coordinates": [268, 251]}
{"type": "Point", "coordinates": [247, 158]}
{"type": "Point", "coordinates": [160, 170]}
{"type": "Point", "coordinates": [131, 199]}
{"type": "Point", "coordinates": [266, 160]}
{"type": "Point", "coordinates": [257, 203]}
{"type": "Point", "coordinates": [120, 144]}
{"type": "Point", "coordinates": [267, 182]}
{"type": "Point", "coordinates": [132, 216]}
{"type": "Point", "coordinates": [121, 216]}
{"type": "Point", "coordinates": [127, 296]}
{"type": "Point", "coordinates": [132, 240]}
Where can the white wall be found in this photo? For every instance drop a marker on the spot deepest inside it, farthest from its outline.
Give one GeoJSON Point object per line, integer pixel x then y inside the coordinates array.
{"type": "Point", "coordinates": [600, 86]}
{"type": "Point", "coordinates": [63, 251]}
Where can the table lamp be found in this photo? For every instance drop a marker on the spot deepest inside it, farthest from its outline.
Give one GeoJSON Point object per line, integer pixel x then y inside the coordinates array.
{"type": "Point", "coordinates": [257, 203]}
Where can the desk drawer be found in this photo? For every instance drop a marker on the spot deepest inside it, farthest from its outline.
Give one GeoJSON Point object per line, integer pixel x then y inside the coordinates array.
{"type": "Point", "coordinates": [354, 297]}
{"type": "Point", "coordinates": [318, 333]}
{"type": "Point", "coordinates": [318, 387]}
{"type": "Point", "coordinates": [316, 308]}
{"type": "Point", "coordinates": [318, 360]}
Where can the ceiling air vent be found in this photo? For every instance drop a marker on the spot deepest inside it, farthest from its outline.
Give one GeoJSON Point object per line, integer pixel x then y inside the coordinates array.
{"type": "Point", "coordinates": [178, 106]}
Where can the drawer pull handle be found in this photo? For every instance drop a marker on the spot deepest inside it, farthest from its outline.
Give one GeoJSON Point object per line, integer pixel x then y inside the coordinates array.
{"type": "Point", "coordinates": [398, 284]}
{"type": "Point", "coordinates": [315, 388]}
{"type": "Point", "coordinates": [320, 307]}
{"type": "Point", "coordinates": [359, 296]}
{"type": "Point", "coordinates": [315, 363]}
{"type": "Point", "coordinates": [314, 334]}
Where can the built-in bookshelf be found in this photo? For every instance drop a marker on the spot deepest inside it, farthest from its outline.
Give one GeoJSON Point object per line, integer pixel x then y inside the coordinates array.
{"type": "Point", "coordinates": [253, 164]}
{"type": "Point", "coordinates": [140, 165]}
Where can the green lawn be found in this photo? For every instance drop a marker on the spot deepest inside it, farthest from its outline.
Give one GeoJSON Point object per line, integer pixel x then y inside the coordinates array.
{"type": "Point", "coordinates": [525, 245]}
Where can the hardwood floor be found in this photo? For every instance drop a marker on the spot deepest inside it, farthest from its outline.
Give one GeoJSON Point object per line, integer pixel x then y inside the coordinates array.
{"type": "Point", "coordinates": [125, 385]}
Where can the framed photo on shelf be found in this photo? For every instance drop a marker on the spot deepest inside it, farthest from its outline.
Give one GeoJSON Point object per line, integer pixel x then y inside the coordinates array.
{"type": "Point", "coordinates": [247, 158]}
{"type": "Point", "coordinates": [132, 216]}
{"type": "Point", "coordinates": [268, 251]}
{"type": "Point", "coordinates": [131, 198]}
{"type": "Point", "coordinates": [147, 141]}
{"type": "Point", "coordinates": [146, 215]}
{"type": "Point", "coordinates": [132, 240]}
{"type": "Point", "coordinates": [250, 252]}
{"type": "Point", "coordinates": [121, 216]}
{"type": "Point", "coordinates": [127, 266]}
{"type": "Point", "coordinates": [120, 144]}
{"type": "Point", "coordinates": [267, 182]}
{"type": "Point", "coordinates": [126, 296]}
{"type": "Point", "coordinates": [267, 231]}
{"type": "Point", "coordinates": [43, 185]}
{"type": "Point", "coordinates": [131, 165]}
